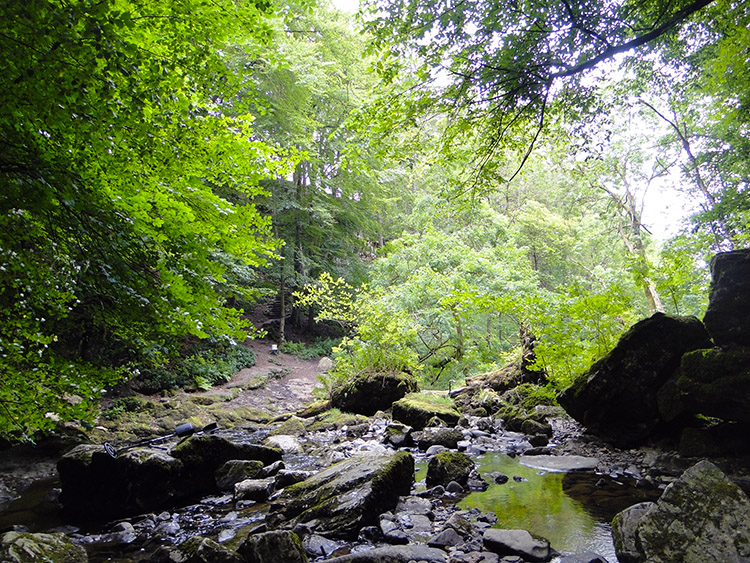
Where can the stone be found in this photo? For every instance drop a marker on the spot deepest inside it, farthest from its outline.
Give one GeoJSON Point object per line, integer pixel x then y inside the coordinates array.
{"type": "Point", "coordinates": [318, 546]}
{"type": "Point", "coordinates": [395, 554]}
{"type": "Point", "coordinates": [623, 531]}
{"type": "Point", "coordinates": [273, 547]}
{"type": "Point", "coordinates": [417, 410]}
{"type": "Point", "coordinates": [346, 496]}
{"type": "Point", "coordinates": [446, 437]}
{"type": "Point", "coordinates": [373, 392]}
{"type": "Point", "coordinates": [617, 398]}
{"type": "Point", "coordinates": [286, 443]}
{"type": "Point", "coordinates": [398, 435]}
{"type": "Point", "coordinates": [702, 516]}
{"type": "Point", "coordinates": [447, 538]}
{"type": "Point", "coordinates": [236, 470]}
{"type": "Point", "coordinates": [716, 382]}
{"type": "Point", "coordinates": [559, 463]}
{"type": "Point", "coordinates": [516, 542]}
{"type": "Point", "coordinates": [727, 316]}
{"type": "Point", "coordinates": [449, 466]}
{"type": "Point", "coordinates": [293, 426]}
{"type": "Point", "coordinates": [25, 547]}
{"type": "Point", "coordinates": [287, 477]}
{"type": "Point", "coordinates": [254, 489]}
{"type": "Point", "coordinates": [325, 364]}
{"type": "Point", "coordinates": [196, 549]}
{"type": "Point", "coordinates": [586, 557]}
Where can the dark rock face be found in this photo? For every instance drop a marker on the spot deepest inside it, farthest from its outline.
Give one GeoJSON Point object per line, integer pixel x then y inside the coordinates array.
{"type": "Point", "coordinates": [347, 496]}
{"type": "Point", "coordinates": [728, 314]}
{"type": "Point", "coordinates": [702, 516]}
{"type": "Point", "coordinates": [617, 398]}
{"type": "Point", "coordinates": [449, 466]}
{"type": "Point", "coordinates": [716, 382]}
{"type": "Point", "coordinates": [273, 547]}
{"type": "Point", "coordinates": [373, 392]}
{"type": "Point", "coordinates": [24, 547]}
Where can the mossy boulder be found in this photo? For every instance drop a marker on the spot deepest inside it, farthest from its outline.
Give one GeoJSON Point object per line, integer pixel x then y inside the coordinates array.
{"type": "Point", "coordinates": [728, 313]}
{"type": "Point", "coordinates": [373, 392]}
{"type": "Point", "coordinates": [236, 470]}
{"type": "Point", "coordinates": [273, 547]}
{"type": "Point", "coordinates": [25, 547]}
{"type": "Point", "coordinates": [345, 497]}
{"type": "Point", "coordinates": [293, 426]}
{"type": "Point", "coordinates": [617, 398]}
{"type": "Point", "coordinates": [445, 467]}
{"type": "Point", "coordinates": [702, 516]}
{"type": "Point", "coordinates": [196, 549]}
{"type": "Point", "coordinates": [716, 382]}
{"type": "Point", "coordinates": [417, 409]}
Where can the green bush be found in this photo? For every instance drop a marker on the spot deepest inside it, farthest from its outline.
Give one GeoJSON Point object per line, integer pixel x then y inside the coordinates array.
{"type": "Point", "coordinates": [122, 405]}
{"type": "Point", "coordinates": [317, 349]}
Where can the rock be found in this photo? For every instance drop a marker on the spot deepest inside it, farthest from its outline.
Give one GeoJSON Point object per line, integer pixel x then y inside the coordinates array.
{"type": "Point", "coordinates": [318, 546]}
{"type": "Point", "coordinates": [196, 549]}
{"type": "Point", "coordinates": [726, 439]}
{"type": "Point", "coordinates": [346, 496]}
{"type": "Point", "coordinates": [716, 382]}
{"type": "Point", "coordinates": [325, 364]}
{"type": "Point", "coordinates": [499, 478]}
{"type": "Point", "coordinates": [96, 486]}
{"type": "Point", "coordinates": [727, 316]}
{"type": "Point", "coordinates": [623, 531]}
{"type": "Point", "coordinates": [395, 554]}
{"type": "Point", "coordinates": [373, 392]}
{"type": "Point", "coordinates": [287, 477]}
{"type": "Point", "coordinates": [516, 542]}
{"type": "Point", "coordinates": [25, 547]}
{"type": "Point", "coordinates": [254, 489]}
{"type": "Point", "coordinates": [446, 437]}
{"type": "Point", "coordinates": [559, 463]}
{"type": "Point", "coordinates": [455, 488]}
{"type": "Point", "coordinates": [236, 470]}
{"type": "Point", "coordinates": [416, 410]}
{"type": "Point", "coordinates": [271, 469]}
{"type": "Point", "coordinates": [702, 516]}
{"type": "Point", "coordinates": [449, 466]}
{"type": "Point", "coordinates": [273, 547]}
{"type": "Point", "coordinates": [447, 538]}
{"type": "Point", "coordinates": [293, 426]}
{"type": "Point", "coordinates": [617, 398]}
{"type": "Point", "coordinates": [398, 435]}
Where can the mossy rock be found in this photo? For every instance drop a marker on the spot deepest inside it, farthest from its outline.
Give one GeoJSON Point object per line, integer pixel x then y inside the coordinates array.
{"type": "Point", "coordinates": [445, 467]}
{"type": "Point", "coordinates": [273, 547]}
{"type": "Point", "coordinates": [294, 426]}
{"type": "Point", "coordinates": [373, 392]}
{"type": "Point", "coordinates": [417, 409]}
{"type": "Point", "coordinates": [340, 500]}
{"type": "Point", "coordinates": [334, 419]}
{"type": "Point", "coordinates": [236, 470]}
{"type": "Point", "coordinates": [197, 549]}
{"type": "Point", "coordinates": [25, 547]}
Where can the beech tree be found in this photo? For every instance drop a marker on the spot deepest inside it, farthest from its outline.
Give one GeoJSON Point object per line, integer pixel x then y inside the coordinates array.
{"type": "Point", "coordinates": [115, 233]}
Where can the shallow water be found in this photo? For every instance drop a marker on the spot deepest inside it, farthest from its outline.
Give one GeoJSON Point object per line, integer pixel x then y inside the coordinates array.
{"type": "Point", "coordinates": [571, 510]}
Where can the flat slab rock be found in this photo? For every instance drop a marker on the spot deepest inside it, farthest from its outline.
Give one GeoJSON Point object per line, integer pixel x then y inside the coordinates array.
{"type": "Point", "coordinates": [559, 463]}
{"type": "Point", "coordinates": [395, 554]}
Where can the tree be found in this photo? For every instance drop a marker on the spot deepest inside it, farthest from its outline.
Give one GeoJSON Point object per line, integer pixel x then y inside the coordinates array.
{"type": "Point", "coordinates": [114, 233]}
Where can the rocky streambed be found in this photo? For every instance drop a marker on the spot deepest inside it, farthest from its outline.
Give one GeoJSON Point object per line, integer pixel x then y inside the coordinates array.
{"type": "Point", "coordinates": [341, 488]}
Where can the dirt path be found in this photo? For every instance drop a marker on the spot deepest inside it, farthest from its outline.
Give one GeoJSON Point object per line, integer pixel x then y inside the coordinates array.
{"type": "Point", "coordinates": [290, 381]}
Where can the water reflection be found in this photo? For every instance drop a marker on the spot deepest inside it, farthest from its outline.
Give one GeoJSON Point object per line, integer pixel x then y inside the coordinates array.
{"type": "Point", "coordinates": [549, 504]}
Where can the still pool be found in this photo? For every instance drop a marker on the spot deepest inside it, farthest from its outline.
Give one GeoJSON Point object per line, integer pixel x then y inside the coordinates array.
{"type": "Point", "coordinates": [571, 510]}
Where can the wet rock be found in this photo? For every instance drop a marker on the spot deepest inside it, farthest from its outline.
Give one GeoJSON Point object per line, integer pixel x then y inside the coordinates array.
{"type": "Point", "coordinates": [417, 412]}
{"type": "Point", "coordinates": [517, 542]}
{"type": "Point", "coordinates": [318, 546]}
{"type": "Point", "coordinates": [236, 470]}
{"type": "Point", "coordinates": [273, 547]}
{"type": "Point", "coordinates": [25, 547]}
{"type": "Point", "coordinates": [97, 486]}
{"type": "Point", "coordinates": [617, 398]}
{"type": "Point", "coordinates": [587, 557]}
{"type": "Point", "coordinates": [271, 469]}
{"type": "Point", "coordinates": [372, 392]}
{"type": "Point", "coordinates": [499, 478]}
{"type": "Point", "coordinates": [702, 516]}
{"type": "Point", "coordinates": [286, 477]}
{"type": "Point", "coordinates": [455, 488]}
{"type": "Point", "coordinates": [449, 466]}
{"type": "Point", "coordinates": [398, 435]}
{"type": "Point", "coordinates": [287, 444]}
{"type": "Point", "coordinates": [727, 317]}
{"type": "Point", "coordinates": [446, 437]}
{"type": "Point", "coordinates": [447, 538]}
{"type": "Point", "coordinates": [196, 550]}
{"type": "Point", "coordinates": [559, 463]}
{"type": "Point", "coordinates": [346, 496]}
{"type": "Point", "coordinates": [624, 531]}
{"type": "Point", "coordinates": [254, 489]}
{"type": "Point", "coordinates": [716, 382]}
{"type": "Point", "coordinates": [395, 554]}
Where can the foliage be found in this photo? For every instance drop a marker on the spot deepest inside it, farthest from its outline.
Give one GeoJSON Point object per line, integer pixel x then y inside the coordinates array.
{"type": "Point", "coordinates": [122, 405]}
{"type": "Point", "coordinates": [317, 349]}
{"type": "Point", "coordinates": [113, 227]}
{"type": "Point", "coordinates": [202, 365]}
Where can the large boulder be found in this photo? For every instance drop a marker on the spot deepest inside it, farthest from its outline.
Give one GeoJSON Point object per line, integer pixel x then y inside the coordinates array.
{"type": "Point", "coordinates": [273, 547]}
{"type": "Point", "coordinates": [728, 314]}
{"type": "Point", "coordinates": [702, 516]}
{"type": "Point", "coordinates": [196, 550]}
{"type": "Point", "coordinates": [716, 382]}
{"type": "Point", "coordinates": [25, 547]}
{"type": "Point", "coordinates": [347, 496]}
{"type": "Point", "coordinates": [394, 554]}
{"type": "Point", "coordinates": [373, 392]}
{"type": "Point", "coordinates": [517, 542]}
{"type": "Point", "coordinates": [617, 398]}
{"type": "Point", "coordinates": [418, 409]}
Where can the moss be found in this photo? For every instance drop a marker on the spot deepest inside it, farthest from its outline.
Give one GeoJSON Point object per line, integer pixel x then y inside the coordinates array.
{"type": "Point", "coordinates": [448, 466]}
{"type": "Point", "coordinates": [292, 427]}
{"type": "Point", "coordinates": [416, 409]}
{"type": "Point", "coordinates": [334, 419]}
